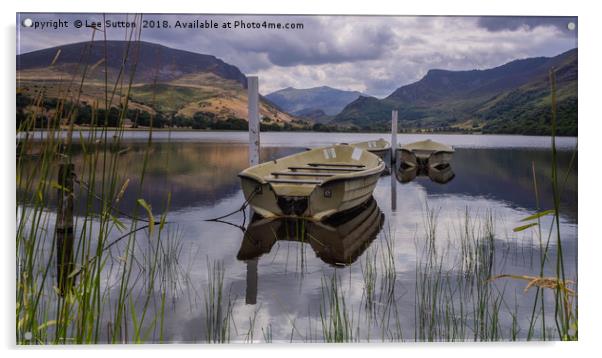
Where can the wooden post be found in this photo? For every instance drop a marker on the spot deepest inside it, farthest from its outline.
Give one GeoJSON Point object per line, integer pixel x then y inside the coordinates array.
{"type": "Point", "coordinates": [393, 137]}
{"type": "Point", "coordinates": [64, 228]}
{"type": "Point", "coordinates": [251, 293]}
{"type": "Point", "coordinates": [253, 106]}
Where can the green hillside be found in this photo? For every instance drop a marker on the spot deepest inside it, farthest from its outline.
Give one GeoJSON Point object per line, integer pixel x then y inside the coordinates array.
{"type": "Point", "coordinates": [513, 98]}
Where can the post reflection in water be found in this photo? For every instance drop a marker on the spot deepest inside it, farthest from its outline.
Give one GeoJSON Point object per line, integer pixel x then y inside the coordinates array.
{"type": "Point", "coordinates": [393, 193]}
{"type": "Point", "coordinates": [337, 241]}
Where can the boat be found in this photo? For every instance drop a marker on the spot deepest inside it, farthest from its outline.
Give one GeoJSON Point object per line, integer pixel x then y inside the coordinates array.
{"type": "Point", "coordinates": [378, 147]}
{"type": "Point", "coordinates": [338, 240]}
{"type": "Point", "coordinates": [314, 184]}
{"type": "Point", "coordinates": [441, 173]}
{"type": "Point", "coordinates": [425, 153]}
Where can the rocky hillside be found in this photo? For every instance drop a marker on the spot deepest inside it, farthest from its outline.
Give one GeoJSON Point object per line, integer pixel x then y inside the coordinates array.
{"type": "Point", "coordinates": [186, 88]}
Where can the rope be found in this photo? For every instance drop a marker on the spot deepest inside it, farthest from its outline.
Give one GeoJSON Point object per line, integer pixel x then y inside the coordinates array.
{"type": "Point", "coordinates": [242, 208]}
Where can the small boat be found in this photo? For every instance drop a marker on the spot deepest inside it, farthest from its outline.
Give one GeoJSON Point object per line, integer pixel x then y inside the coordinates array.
{"type": "Point", "coordinates": [379, 147]}
{"type": "Point", "coordinates": [425, 153]}
{"type": "Point", "coordinates": [338, 240]}
{"type": "Point", "coordinates": [314, 184]}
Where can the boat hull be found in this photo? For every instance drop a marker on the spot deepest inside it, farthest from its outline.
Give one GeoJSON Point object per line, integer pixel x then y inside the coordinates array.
{"type": "Point", "coordinates": [312, 197]}
{"type": "Point", "coordinates": [424, 159]}
{"type": "Point", "coordinates": [426, 153]}
{"type": "Point", "coordinates": [381, 153]}
{"type": "Point", "coordinates": [322, 202]}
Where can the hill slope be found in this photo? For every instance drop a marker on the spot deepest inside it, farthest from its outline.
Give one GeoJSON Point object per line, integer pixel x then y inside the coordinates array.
{"type": "Point", "coordinates": [168, 82]}
{"type": "Point", "coordinates": [151, 60]}
{"type": "Point", "coordinates": [512, 98]}
{"type": "Point", "coordinates": [298, 101]}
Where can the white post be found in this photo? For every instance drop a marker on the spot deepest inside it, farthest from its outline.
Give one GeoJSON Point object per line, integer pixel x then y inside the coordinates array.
{"type": "Point", "coordinates": [393, 136]}
{"type": "Point", "coordinates": [253, 107]}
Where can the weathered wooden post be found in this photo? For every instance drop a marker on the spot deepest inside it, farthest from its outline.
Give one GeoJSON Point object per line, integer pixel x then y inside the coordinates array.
{"type": "Point", "coordinates": [64, 228]}
{"type": "Point", "coordinates": [253, 106]}
{"type": "Point", "coordinates": [254, 159]}
{"type": "Point", "coordinates": [393, 138]}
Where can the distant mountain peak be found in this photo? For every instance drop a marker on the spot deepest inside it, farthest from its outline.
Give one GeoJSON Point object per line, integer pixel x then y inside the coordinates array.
{"type": "Point", "coordinates": [300, 100]}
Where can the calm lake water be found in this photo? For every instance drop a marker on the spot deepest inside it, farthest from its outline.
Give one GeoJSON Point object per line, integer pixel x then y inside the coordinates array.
{"type": "Point", "coordinates": [277, 282]}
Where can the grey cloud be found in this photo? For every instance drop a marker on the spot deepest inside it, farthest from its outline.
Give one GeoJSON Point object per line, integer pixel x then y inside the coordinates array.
{"type": "Point", "coordinates": [372, 54]}
{"type": "Point", "coordinates": [499, 23]}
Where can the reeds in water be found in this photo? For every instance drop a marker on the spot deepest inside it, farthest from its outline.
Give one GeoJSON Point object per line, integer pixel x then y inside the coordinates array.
{"type": "Point", "coordinates": [218, 305]}
{"type": "Point", "coordinates": [103, 287]}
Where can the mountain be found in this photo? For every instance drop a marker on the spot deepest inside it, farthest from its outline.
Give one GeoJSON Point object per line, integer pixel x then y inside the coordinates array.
{"type": "Point", "coordinates": [151, 60]}
{"type": "Point", "coordinates": [314, 115]}
{"type": "Point", "coordinates": [512, 98]}
{"type": "Point", "coordinates": [327, 99]}
{"type": "Point", "coordinates": [194, 89]}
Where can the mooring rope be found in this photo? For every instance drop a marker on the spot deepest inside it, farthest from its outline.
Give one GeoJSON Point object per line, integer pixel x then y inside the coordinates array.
{"type": "Point", "coordinates": [242, 208]}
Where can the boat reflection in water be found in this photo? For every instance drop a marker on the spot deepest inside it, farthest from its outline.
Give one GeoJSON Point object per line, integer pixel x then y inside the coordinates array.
{"type": "Point", "coordinates": [441, 173]}
{"type": "Point", "coordinates": [338, 240]}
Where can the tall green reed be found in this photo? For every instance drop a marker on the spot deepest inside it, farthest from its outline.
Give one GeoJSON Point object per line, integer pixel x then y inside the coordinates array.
{"type": "Point", "coordinates": [88, 310]}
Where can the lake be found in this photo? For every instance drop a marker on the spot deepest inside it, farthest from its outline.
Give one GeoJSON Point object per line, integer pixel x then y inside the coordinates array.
{"type": "Point", "coordinates": [282, 279]}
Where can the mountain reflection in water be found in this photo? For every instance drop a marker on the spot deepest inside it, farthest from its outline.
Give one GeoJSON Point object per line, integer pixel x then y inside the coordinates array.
{"type": "Point", "coordinates": [279, 266]}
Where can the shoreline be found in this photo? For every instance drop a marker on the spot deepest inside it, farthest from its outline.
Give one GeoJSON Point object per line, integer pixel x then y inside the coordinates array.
{"type": "Point", "coordinates": [190, 130]}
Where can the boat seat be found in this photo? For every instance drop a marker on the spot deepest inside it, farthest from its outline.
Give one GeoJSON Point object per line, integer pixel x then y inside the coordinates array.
{"type": "Point", "coordinates": [294, 181]}
{"type": "Point", "coordinates": [336, 165]}
{"type": "Point", "coordinates": [305, 174]}
{"type": "Point", "coordinates": [332, 169]}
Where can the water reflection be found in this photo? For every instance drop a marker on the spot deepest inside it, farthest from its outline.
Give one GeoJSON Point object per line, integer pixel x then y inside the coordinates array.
{"type": "Point", "coordinates": [337, 241]}
{"type": "Point", "coordinates": [200, 175]}
{"type": "Point", "coordinates": [506, 175]}
{"type": "Point", "coordinates": [202, 180]}
{"type": "Point", "coordinates": [441, 174]}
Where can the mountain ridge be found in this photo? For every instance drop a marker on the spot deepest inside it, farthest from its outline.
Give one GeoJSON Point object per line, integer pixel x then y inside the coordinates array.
{"type": "Point", "coordinates": [153, 61]}
{"type": "Point", "coordinates": [192, 89]}
{"type": "Point", "coordinates": [516, 92]}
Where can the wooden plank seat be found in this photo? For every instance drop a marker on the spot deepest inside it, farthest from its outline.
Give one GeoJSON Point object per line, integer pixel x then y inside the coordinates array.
{"type": "Point", "coordinates": [336, 165]}
{"type": "Point", "coordinates": [294, 181]}
{"type": "Point", "coordinates": [332, 169]}
{"type": "Point", "coordinates": [305, 174]}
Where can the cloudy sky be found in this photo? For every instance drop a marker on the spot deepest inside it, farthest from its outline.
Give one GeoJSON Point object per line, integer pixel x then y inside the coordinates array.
{"type": "Point", "coordinates": [372, 54]}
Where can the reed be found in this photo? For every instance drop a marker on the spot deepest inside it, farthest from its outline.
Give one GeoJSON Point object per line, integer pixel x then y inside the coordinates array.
{"type": "Point", "coordinates": [454, 300]}
{"type": "Point", "coordinates": [108, 293]}
{"type": "Point", "coordinates": [218, 306]}
{"type": "Point", "coordinates": [267, 333]}
{"type": "Point", "coordinates": [565, 303]}
{"type": "Point", "coordinates": [336, 317]}
{"type": "Point", "coordinates": [369, 274]}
